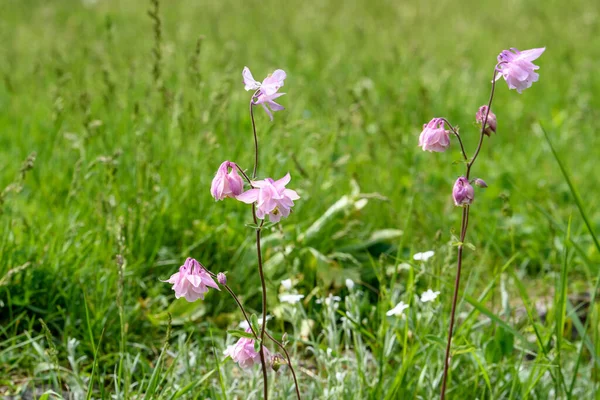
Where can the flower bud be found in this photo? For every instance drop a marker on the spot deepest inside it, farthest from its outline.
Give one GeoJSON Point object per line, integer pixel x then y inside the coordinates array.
{"type": "Point", "coordinates": [491, 120]}
{"type": "Point", "coordinates": [463, 193]}
{"type": "Point", "coordinates": [221, 278]}
{"type": "Point", "coordinates": [480, 182]}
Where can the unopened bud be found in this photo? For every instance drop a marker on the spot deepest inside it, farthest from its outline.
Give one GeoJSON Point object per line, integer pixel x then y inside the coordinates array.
{"type": "Point", "coordinates": [480, 182]}
{"type": "Point", "coordinates": [491, 120]}
{"type": "Point", "coordinates": [221, 278]}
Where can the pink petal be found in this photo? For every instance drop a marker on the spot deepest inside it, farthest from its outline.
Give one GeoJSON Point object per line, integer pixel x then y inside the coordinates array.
{"type": "Point", "coordinates": [249, 82]}
{"type": "Point", "coordinates": [532, 54]}
{"type": "Point", "coordinates": [291, 194]}
{"type": "Point", "coordinates": [249, 196]}
{"type": "Point", "coordinates": [280, 183]}
{"type": "Point", "coordinates": [268, 111]}
{"type": "Point", "coordinates": [275, 107]}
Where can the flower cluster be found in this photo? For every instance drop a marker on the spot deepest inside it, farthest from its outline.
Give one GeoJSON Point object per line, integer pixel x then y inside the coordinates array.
{"type": "Point", "coordinates": [269, 198]}
{"type": "Point", "coordinates": [517, 69]}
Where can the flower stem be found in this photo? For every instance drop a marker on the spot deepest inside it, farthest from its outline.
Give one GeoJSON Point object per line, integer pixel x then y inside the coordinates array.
{"type": "Point", "coordinates": [462, 148]}
{"type": "Point", "coordinates": [287, 355]}
{"type": "Point", "coordinates": [264, 311]}
{"type": "Point", "coordinates": [259, 257]}
{"type": "Point", "coordinates": [255, 136]}
{"type": "Point", "coordinates": [463, 233]}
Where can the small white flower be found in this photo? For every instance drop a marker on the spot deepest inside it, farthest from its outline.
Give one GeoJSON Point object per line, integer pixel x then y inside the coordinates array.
{"type": "Point", "coordinates": [329, 300]}
{"type": "Point", "coordinates": [349, 284]}
{"type": "Point", "coordinates": [426, 255]}
{"type": "Point", "coordinates": [429, 295]}
{"type": "Point", "coordinates": [398, 310]}
{"type": "Point", "coordinates": [287, 284]}
{"type": "Point", "coordinates": [340, 376]}
{"type": "Point", "coordinates": [290, 298]}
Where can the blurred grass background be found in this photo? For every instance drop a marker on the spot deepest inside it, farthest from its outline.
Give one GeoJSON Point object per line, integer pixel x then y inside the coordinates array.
{"type": "Point", "coordinates": [126, 146]}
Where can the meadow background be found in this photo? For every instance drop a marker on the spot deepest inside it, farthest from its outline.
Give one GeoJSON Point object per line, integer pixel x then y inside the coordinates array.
{"type": "Point", "coordinates": [111, 131]}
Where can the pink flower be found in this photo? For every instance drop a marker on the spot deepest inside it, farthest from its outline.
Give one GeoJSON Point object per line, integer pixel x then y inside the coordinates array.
{"type": "Point", "coordinates": [225, 183]}
{"type": "Point", "coordinates": [463, 193]}
{"type": "Point", "coordinates": [192, 281]}
{"type": "Point", "coordinates": [271, 197]}
{"type": "Point", "coordinates": [434, 136]}
{"type": "Point", "coordinates": [266, 92]}
{"type": "Point", "coordinates": [491, 120]}
{"type": "Point", "coordinates": [244, 354]}
{"type": "Point", "coordinates": [517, 68]}
{"type": "Point", "coordinates": [269, 86]}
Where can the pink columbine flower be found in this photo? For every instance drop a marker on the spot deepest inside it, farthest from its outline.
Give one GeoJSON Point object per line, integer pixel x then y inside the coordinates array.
{"type": "Point", "coordinates": [463, 193]}
{"type": "Point", "coordinates": [434, 136]}
{"type": "Point", "coordinates": [266, 92]}
{"type": "Point", "coordinates": [491, 120]}
{"type": "Point", "coordinates": [271, 197]}
{"type": "Point", "coordinates": [226, 183]}
{"type": "Point", "coordinates": [243, 353]}
{"type": "Point", "coordinates": [517, 68]}
{"type": "Point", "coordinates": [192, 281]}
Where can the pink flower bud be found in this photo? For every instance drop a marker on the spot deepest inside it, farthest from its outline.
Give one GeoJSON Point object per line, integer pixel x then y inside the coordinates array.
{"type": "Point", "coordinates": [221, 278]}
{"type": "Point", "coordinates": [491, 120]}
{"type": "Point", "coordinates": [463, 193]}
{"type": "Point", "coordinates": [480, 182]}
{"type": "Point", "coordinates": [225, 183]}
{"type": "Point", "coordinates": [434, 136]}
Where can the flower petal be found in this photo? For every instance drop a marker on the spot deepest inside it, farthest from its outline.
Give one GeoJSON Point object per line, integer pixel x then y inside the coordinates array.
{"type": "Point", "coordinates": [249, 82]}
{"type": "Point", "coordinates": [249, 196]}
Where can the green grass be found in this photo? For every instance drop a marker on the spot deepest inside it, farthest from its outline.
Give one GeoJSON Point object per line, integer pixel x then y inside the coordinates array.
{"type": "Point", "coordinates": [117, 195]}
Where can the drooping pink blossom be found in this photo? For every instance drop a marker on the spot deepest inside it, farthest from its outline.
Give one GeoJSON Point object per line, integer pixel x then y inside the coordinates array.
{"type": "Point", "coordinates": [490, 126]}
{"type": "Point", "coordinates": [272, 198]}
{"type": "Point", "coordinates": [463, 193]}
{"type": "Point", "coordinates": [517, 68]}
{"type": "Point", "coordinates": [226, 183]}
{"type": "Point", "coordinates": [434, 136]}
{"type": "Point", "coordinates": [243, 353]}
{"type": "Point", "coordinates": [192, 281]}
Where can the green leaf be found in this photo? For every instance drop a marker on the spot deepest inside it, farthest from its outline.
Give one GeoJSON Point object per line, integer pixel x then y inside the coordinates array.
{"type": "Point", "coordinates": [240, 333]}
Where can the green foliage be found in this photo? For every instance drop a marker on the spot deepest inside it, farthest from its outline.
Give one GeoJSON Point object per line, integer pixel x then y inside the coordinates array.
{"type": "Point", "coordinates": [114, 117]}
